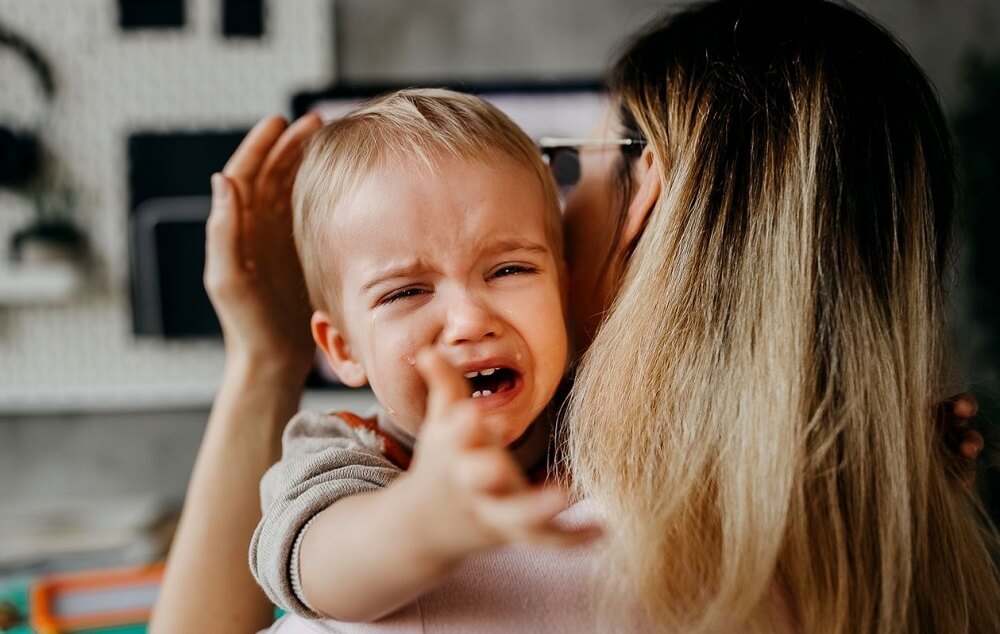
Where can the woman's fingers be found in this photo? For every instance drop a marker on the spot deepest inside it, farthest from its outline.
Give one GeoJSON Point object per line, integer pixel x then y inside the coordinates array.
{"type": "Point", "coordinates": [963, 443]}
{"type": "Point", "coordinates": [953, 417]}
{"type": "Point", "coordinates": [964, 406]}
{"type": "Point", "coordinates": [222, 248]}
{"type": "Point", "coordinates": [277, 173]}
{"type": "Point", "coordinates": [972, 444]}
{"type": "Point", "coordinates": [248, 158]}
{"type": "Point", "coordinates": [241, 169]}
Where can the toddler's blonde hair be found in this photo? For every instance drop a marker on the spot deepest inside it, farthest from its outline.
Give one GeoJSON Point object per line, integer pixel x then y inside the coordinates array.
{"type": "Point", "coordinates": [414, 126]}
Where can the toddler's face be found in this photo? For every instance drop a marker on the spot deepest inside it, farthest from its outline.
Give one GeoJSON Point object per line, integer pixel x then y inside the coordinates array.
{"type": "Point", "coordinates": [461, 261]}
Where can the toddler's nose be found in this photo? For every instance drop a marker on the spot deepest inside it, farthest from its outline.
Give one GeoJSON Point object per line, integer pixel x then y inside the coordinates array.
{"type": "Point", "coordinates": [469, 321]}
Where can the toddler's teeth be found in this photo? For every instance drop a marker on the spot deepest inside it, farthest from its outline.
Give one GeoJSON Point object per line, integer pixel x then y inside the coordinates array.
{"type": "Point", "coordinates": [471, 375]}
{"type": "Point", "coordinates": [487, 372]}
{"type": "Point", "coordinates": [477, 394]}
{"type": "Point", "coordinates": [486, 392]}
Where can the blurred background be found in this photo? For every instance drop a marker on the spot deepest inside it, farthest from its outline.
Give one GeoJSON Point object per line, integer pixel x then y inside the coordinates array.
{"type": "Point", "coordinates": [113, 113]}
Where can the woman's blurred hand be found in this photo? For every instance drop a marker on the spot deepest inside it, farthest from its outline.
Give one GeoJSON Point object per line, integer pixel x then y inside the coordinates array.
{"type": "Point", "coordinates": [962, 441]}
{"type": "Point", "coordinates": [252, 272]}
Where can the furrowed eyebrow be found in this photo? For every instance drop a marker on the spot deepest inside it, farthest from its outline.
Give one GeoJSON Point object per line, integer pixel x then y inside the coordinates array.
{"type": "Point", "coordinates": [414, 268]}
{"type": "Point", "coordinates": [503, 246]}
{"type": "Point", "coordinates": [404, 270]}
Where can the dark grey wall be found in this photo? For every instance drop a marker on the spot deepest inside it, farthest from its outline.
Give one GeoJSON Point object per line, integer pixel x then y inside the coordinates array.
{"type": "Point", "coordinates": [407, 39]}
{"type": "Point", "coordinates": [402, 39]}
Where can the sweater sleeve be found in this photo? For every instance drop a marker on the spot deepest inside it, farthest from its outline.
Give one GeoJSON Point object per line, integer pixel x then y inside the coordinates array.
{"type": "Point", "coordinates": [323, 460]}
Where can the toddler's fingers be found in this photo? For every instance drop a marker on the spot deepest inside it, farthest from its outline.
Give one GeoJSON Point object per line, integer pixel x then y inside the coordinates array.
{"type": "Point", "coordinates": [554, 537]}
{"type": "Point", "coordinates": [445, 384]}
{"type": "Point", "coordinates": [517, 515]}
{"type": "Point", "coordinates": [529, 518]}
{"type": "Point", "coordinates": [458, 425]}
{"type": "Point", "coordinates": [490, 470]}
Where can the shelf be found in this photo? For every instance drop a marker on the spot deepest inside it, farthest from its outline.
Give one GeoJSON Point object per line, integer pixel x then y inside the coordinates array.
{"type": "Point", "coordinates": [30, 284]}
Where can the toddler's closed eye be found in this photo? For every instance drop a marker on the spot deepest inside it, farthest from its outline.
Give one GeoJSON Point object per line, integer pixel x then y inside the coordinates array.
{"type": "Point", "coordinates": [402, 293]}
{"type": "Point", "coordinates": [513, 269]}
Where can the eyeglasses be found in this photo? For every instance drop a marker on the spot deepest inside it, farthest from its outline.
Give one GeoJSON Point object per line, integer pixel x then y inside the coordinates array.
{"type": "Point", "coordinates": [562, 154]}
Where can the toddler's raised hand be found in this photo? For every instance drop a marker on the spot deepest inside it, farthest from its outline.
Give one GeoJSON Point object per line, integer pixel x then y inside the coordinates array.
{"type": "Point", "coordinates": [482, 498]}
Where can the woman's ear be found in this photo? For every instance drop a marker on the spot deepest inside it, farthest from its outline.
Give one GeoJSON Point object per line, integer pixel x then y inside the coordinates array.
{"type": "Point", "coordinates": [642, 204]}
{"type": "Point", "coordinates": [337, 350]}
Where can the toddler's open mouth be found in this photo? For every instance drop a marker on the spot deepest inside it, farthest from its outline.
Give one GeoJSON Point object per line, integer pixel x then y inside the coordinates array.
{"type": "Point", "coordinates": [491, 381]}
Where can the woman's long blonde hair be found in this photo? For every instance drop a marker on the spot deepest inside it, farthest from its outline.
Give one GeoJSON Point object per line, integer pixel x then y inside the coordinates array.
{"type": "Point", "coordinates": [756, 413]}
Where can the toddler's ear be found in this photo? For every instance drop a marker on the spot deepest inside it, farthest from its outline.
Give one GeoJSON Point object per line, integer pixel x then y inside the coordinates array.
{"type": "Point", "coordinates": [337, 350]}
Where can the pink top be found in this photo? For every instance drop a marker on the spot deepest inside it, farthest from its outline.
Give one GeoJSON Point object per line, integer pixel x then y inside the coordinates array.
{"type": "Point", "coordinates": [513, 589]}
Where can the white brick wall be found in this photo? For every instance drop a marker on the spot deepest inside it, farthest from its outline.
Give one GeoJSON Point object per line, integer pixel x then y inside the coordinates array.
{"type": "Point", "coordinates": [111, 82]}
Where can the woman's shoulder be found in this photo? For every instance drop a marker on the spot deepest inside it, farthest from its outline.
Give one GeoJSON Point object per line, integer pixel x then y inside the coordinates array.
{"type": "Point", "coordinates": [511, 589]}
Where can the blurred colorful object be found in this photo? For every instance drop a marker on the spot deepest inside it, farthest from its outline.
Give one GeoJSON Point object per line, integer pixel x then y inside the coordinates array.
{"type": "Point", "coordinates": [89, 601]}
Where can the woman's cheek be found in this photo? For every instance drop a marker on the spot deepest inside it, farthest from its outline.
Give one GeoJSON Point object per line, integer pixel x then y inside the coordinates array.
{"type": "Point", "coordinates": [543, 321]}
{"type": "Point", "coordinates": [531, 306]}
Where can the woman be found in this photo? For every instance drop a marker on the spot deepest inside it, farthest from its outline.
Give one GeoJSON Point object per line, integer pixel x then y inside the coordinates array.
{"type": "Point", "coordinates": [731, 334]}
{"type": "Point", "coordinates": [785, 255]}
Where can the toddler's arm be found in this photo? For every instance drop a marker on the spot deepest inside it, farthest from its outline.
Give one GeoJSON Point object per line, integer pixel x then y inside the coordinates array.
{"type": "Point", "coordinates": [370, 554]}
{"type": "Point", "coordinates": [324, 460]}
